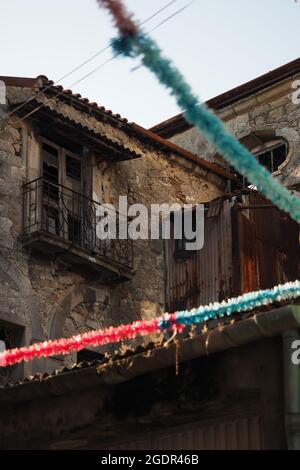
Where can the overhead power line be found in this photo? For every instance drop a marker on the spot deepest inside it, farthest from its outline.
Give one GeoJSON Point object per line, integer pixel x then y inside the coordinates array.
{"type": "Point", "coordinates": [91, 72]}
{"type": "Point", "coordinates": [80, 66]}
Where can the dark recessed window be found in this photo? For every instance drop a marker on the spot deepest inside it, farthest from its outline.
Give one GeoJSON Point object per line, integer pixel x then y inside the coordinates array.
{"type": "Point", "coordinates": [11, 336]}
{"type": "Point", "coordinates": [50, 172]}
{"type": "Point", "coordinates": [50, 163]}
{"type": "Point", "coordinates": [270, 154]}
{"type": "Point", "coordinates": [73, 168]}
{"type": "Point", "coordinates": [273, 158]}
{"type": "Point", "coordinates": [50, 150]}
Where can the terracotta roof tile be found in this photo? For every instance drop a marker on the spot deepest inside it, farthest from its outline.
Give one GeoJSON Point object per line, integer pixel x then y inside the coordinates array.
{"type": "Point", "coordinates": [43, 83]}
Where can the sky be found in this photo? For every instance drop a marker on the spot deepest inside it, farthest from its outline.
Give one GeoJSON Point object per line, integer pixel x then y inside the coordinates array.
{"type": "Point", "coordinates": [217, 44]}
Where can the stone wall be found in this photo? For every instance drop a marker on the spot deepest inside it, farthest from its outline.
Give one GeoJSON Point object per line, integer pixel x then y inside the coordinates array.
{"type": "Point", "coordinates": [51, 298]}
{"type": "Point", "coordinates": [271, 109]}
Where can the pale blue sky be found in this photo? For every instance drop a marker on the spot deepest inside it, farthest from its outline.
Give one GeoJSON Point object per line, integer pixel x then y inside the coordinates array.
{"type": "Point", "coordinates": [217, 44]}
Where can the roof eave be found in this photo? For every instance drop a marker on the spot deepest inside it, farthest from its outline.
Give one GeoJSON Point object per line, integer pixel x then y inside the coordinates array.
{"type": "Point", "coordinates": [178, 124]}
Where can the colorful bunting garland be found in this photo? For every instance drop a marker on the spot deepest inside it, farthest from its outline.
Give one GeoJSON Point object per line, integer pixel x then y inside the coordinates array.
{"type": "Point", "coordinates": [176, 322]}
{"type": "Point", "coordinates": [134, 43]}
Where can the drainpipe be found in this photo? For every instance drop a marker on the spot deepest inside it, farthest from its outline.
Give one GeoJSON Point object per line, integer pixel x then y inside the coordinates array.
{"type": "Point", "coordinates": [291, 391]}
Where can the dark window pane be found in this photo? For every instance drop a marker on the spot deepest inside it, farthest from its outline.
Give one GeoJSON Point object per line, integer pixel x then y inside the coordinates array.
{"type": "Point", "coordinates": [73, 168]}
{"type": "Point", "coordinates": [279, 156]}
{"type": "Point", "coordinates": [51, 150]}
{"type": "Point", "coordinates": [6, 335]}
{"type": "Point", "coordinates": [273, 158]}
{"type": "Point", "coordinates": [50, 173]}
{"type": "Point", "coordinates": [266, 160]}
{"type": "Point", "coordinates": [10, 337]}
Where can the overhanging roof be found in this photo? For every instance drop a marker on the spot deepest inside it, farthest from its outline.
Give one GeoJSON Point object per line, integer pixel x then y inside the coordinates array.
{"type": "Point", "coordinates": [44, 85]}
{"type": "Point", "coordinates": [177, 124]}
{"type": "Point", "coordinates": [235, 331]}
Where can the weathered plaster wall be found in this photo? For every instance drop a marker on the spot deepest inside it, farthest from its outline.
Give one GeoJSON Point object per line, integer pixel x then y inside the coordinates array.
{"type": "Point", "coordinates": [52, 298]}
{"type": "Point", "coordinates": [271, 109]}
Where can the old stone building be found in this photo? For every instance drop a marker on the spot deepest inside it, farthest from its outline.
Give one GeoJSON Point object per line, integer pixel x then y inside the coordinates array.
{"type": "Point", "coordinates": [236, 386]}
{"type": "Point", "coordinates": [264, 114]}
{"type": "Point", "coordinates": [61, 158]}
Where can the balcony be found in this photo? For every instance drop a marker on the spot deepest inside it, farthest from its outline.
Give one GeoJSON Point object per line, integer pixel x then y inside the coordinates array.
{"type": "Point", "coordinates": [62, 222]}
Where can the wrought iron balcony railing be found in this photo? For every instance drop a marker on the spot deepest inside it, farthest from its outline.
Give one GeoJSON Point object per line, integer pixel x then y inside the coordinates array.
{"type": "Point", "coordinates": [66, 215]}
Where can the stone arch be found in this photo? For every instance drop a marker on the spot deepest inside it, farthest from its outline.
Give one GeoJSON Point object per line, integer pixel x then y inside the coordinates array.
{"type": "Point", "coordinates": [16, 279]}
{"type": "Point", "coordinates": [293, 138]}
{"type": "Point", "coordinates": [285, 134]}
{"type": "Point", "coordinates": [73, 297]}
